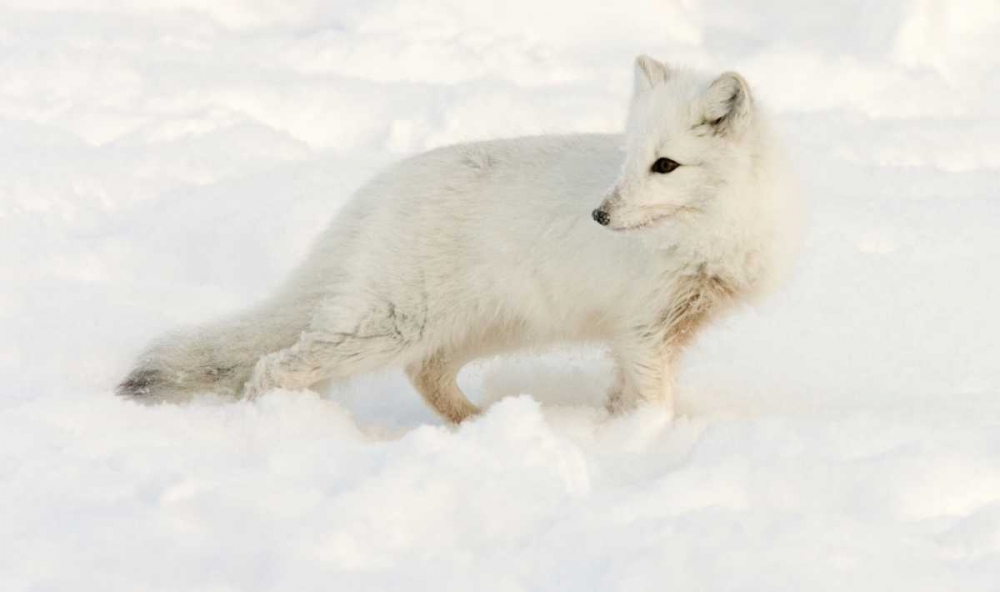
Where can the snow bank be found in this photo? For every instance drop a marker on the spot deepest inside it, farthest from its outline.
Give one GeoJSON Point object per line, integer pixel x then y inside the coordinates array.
{"type": "Point", "coordinates": [165, 162]}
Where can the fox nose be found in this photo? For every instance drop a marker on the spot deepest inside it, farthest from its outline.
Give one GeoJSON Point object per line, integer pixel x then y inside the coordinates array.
{"type": "Point", "coordinates": [601, 217]}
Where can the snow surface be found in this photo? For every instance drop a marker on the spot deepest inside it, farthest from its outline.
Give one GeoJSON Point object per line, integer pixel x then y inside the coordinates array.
{"type": "Point", "coordinates": [167, 161]}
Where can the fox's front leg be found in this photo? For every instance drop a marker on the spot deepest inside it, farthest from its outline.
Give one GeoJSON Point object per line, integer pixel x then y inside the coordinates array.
{"type": "Point", "coordinates": [647, 351]}
{"type": "Point", "coordinates": [643, 375]}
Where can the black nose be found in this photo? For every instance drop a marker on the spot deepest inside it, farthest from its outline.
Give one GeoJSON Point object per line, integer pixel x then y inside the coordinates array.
{"type": "Point", "coordinates": [601, 217]}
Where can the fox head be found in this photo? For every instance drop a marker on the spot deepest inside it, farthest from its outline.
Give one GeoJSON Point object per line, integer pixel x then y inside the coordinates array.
{"type": "Point", "coordinates": [688, 146]}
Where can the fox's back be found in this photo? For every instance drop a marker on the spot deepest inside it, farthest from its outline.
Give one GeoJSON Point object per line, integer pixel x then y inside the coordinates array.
{"type": "Point", "coordinates": [503, 224]}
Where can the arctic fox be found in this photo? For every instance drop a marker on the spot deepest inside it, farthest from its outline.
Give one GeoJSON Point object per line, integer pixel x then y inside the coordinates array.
{"type": "Point", "coordinates": [634, 240]}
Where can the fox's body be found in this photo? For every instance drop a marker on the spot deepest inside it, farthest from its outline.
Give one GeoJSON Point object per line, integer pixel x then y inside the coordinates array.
{"type": "Point", "coordinates": [482, 248]}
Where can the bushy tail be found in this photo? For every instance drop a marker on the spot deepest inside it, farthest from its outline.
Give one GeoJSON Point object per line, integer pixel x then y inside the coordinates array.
{"type": "Point", "coordinates": [216, 358]}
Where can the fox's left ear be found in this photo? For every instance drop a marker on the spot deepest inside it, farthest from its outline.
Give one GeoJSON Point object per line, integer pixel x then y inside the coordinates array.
{"type": "Point", "coordinates": [727, 105]}
{"type": "Point", "coordinates": [648, 73]}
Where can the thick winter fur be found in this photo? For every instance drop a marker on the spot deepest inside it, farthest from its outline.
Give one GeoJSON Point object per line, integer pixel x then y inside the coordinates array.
{"type": "Point", "coordinates": [478, 249]}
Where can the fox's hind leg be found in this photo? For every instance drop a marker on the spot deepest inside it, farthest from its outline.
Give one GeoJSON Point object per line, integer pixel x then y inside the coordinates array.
{"type": "Point", "coordinates": [435, 377]}
{"type": "Point", "coordinates": [324, 352]}
{"type": "Point", "coordinates": [320, 356]}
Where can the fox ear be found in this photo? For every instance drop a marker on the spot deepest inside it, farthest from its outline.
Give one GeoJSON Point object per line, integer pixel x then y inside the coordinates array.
{"type": "Point", "coordinates": [648, 73]}
{"type": "Point", "coordinates": [727, 105]}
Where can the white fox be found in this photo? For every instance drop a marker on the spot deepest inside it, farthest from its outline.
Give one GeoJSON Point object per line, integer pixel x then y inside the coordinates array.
{"type": "Point", "coordinates": [482, 248]}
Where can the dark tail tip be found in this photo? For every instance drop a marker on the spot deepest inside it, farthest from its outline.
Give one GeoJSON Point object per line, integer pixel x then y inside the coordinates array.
{"type": "Point", "coordinates": [139, 383]}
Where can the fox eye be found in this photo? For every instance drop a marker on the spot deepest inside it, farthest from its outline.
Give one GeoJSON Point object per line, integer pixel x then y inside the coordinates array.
{"type": "Point", "coordinates": [664, 166]}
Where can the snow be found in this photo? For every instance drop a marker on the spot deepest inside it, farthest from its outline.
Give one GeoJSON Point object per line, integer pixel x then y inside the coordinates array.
{"type": "Point", "coordinates": [167, 161]}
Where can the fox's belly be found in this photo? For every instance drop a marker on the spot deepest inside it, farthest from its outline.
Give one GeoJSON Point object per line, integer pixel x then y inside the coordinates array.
{"type": "Point", "coordinates": [559, 299]}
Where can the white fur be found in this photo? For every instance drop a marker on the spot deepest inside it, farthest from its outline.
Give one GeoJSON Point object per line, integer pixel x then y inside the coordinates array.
{"type": "Point", "coordinates": [481, 248]}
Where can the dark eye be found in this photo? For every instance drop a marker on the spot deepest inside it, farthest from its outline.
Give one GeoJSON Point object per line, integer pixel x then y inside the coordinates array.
{"type": "Point", "coordinates": [664, 166]}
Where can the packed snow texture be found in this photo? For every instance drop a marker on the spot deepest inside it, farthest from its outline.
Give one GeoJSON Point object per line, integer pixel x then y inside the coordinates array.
{"type": "Point", "coordinates": [165, 162]}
